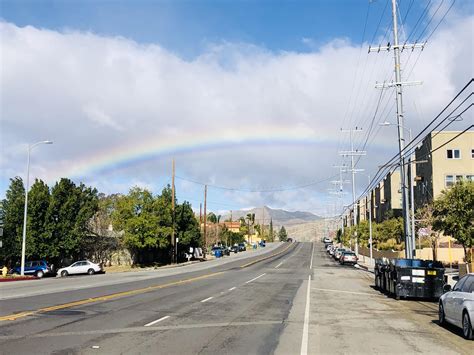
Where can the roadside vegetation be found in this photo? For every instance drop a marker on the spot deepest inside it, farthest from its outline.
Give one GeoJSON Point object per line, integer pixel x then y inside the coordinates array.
{"type": "Point", "coordinates": [451, 214]}
{"type": "Point", "coordinates": [68, 222]}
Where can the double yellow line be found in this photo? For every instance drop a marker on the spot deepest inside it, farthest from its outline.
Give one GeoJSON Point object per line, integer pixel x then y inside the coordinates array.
{"type": "Point", "coordinates": [267, 257]}
{"type": "Point", "coordinates": [16, 316]}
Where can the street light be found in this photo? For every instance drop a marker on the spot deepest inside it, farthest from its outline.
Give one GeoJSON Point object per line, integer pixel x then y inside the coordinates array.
{"type": "Point", "coordinates": [23, 245]}
{"type": "Point", "coordinates": [412, 195]}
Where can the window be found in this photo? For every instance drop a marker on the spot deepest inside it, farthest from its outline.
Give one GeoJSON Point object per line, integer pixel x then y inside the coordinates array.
{"type": "Point", "coordinates": [468, 284]}
{"type": "Point", "coordinates": [449, 180]}
{"type": "Point", "coordinates": [470, 177]}
{"type": "Point", "coordinates": [472, 153]}
{"type": "Point", "coordinates": [460, 283]}
{"type": "Point", "coordinates": [459, 178]}
{"type": "Point", "coordinates": [453, 154]}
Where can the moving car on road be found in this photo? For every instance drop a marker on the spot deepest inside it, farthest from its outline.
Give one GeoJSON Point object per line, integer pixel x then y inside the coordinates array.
{"type": "Point", "coordinates": [37, 268]}
{"type": "Point", "coordinates": [80, 267]}
{"type": "Point", "coordinates": [456, 306]}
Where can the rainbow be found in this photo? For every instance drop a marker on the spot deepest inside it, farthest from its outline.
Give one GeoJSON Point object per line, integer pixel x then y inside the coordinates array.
{"type": "Point", "coordinates": [129, 154]}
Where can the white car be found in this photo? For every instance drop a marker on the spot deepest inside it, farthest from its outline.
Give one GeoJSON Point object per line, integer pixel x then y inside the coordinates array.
{"type": "Point", "coordinates": [456, 306]}
{"type": "Point", "coordinates": [80, 267]}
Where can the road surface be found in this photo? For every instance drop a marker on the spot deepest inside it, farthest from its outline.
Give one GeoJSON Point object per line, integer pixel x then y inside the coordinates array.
{"type": "Point", "coordinates": [295, 302]}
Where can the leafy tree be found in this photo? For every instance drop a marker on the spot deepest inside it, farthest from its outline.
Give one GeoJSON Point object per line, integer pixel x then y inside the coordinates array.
{"type": "Point", "coordinates": [271, 232]}
{"type": "Point", "coordinates": [211, 217]}
{"type": "Point", "coordinates": [37, 232]}
{"type": "Point", "coordinates": [70, 209]}
{"type": "Point", "coordinates": [187, 227]}
{"type": "Point", "coordinates": [13, 209]}
{"type": "Point", "coordinates": [134, 215]}
{"type": "Point", "coordinates": [454, 214]}
{"type": "Point", "coordinates": [282, 235]}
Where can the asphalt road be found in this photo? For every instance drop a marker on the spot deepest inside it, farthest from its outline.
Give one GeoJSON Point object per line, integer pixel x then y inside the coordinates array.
{"type": "Point", "coordinates": [297, 302]}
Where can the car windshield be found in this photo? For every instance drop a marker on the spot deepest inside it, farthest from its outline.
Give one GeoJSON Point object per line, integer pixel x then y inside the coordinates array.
{"type": "Point", "coordinates": [288, 177]}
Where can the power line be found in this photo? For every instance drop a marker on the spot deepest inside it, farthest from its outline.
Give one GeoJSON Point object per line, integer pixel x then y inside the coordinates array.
{"type": "Point", "coordinates": [278, 189]}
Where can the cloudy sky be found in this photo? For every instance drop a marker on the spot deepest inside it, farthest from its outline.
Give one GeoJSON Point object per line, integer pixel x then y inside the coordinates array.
{"type": "Point", "coordinates": [247, 96]}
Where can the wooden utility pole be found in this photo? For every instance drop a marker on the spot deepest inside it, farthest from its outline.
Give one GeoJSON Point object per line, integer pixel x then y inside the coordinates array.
{"type": "Point", "coordinates": [200, 216]}
{"type": "Point", "coordinates": [174, 244]}
{"type": "Point", "coordinates": [263, 222]}
{"type": "Point", "coordinates": [205, 217]}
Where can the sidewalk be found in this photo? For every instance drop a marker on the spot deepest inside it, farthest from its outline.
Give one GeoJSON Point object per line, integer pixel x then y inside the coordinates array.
{"type": "Point", "coordinates": [365, 263]}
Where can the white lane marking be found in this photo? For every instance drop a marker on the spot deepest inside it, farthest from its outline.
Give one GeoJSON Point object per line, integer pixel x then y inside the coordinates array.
{"type": "Point", "coordinates": [312, 254]}
{"type": "Point", "coordinates": [276, 267]}
{"type": "Point", "coordinates": [207, 299]}
{"type": "Point", "coordinates": [255, 278]}
{"type": "Point", "coordinates": [232, 289]}
{"type": "Point", "coordinates": [350, 292]}
{"type": "Point", "coordinates": [156, 321]}
{"type": "Point", "coordinates": [304, 340]}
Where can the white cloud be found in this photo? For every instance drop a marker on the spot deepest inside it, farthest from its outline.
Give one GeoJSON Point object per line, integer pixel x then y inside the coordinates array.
{"type": "Point", "coordinates": [91, 94]}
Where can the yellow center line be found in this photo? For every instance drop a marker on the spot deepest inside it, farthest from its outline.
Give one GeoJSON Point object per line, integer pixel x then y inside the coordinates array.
{"type": "Point", "coordinates": [16, 316]}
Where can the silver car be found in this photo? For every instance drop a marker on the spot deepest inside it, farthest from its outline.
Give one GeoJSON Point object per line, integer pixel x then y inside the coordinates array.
{"type": "Point", "coordinates": [456, 306]}
{"type": "Point", "coordinates": [80, 267]}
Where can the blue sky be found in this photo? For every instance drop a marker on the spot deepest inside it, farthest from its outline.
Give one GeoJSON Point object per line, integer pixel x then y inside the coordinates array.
{"type": "Point", "coordinates": [185, 27]}
{"type": "Point", "coordinates": [298, 73]}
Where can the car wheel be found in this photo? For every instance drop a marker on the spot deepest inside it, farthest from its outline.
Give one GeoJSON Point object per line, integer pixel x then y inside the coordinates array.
{"type": "Point", "coordinates": [467, 327]}
{"type": "Point", "coordinates": [91, 271]}
{"type": "Point", "coordinates": [39, 274]}
{"type": "Point", "coordinates": [64, 273]}
{"type": "Point", "coordinates": [441, 316]}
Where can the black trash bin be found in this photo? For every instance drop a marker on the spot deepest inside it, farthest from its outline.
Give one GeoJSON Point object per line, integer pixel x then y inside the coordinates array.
{"type": "Point", "coordinates": [416, 278]}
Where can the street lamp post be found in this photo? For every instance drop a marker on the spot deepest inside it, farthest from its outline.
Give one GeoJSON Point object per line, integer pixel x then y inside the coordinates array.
{"type": "Point", "coordinates": [23, 244]}
{"type": "Point", "coordinates": [370, 224]}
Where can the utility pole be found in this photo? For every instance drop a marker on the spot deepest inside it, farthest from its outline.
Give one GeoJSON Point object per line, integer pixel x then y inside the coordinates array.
{"type": "Point", "coordinates": [205, 218]}
{"type": "Point", "coordinates": [400, 118]}
{"type": "Point", "coordinates": [263, 222]}
{"type": "Point", "coordinates": [174, 245]}
{"type": "Point", "coordinates": [352, 153]}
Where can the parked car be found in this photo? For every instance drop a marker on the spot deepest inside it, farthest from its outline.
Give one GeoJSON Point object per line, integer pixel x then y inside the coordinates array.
{"type": "Point", "coordinates": [38, 268]}
{"type": "Point", "coordinates": [348, 257]}
{"type": "Point", "coordinates": [225, 250]}
{"type": "Point", "coordinates": [80, 267]}
{"type": "Point", "coordinates": [242, 247]}
{"type": "Point", "coordinates": [456, 306]}
{"type": "Point", "coordinates": [234, 249]}
{"type": "Point", "coordinates": [327, 240]}
{"type": "Point", "coordinates": [338, 252]}
{"type": "Point", "coordinates": [332, 250]}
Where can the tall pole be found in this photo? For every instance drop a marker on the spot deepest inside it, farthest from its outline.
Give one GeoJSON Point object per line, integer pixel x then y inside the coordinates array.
{"type": "Point", "coordinates": [25, 212]}
{"type": "Point", "coordinates": [401, 141]}
{"type": "Point", "coordinates": [173, 235]}
{"type": "Point", "coordinates": [205, 217]}
{"type": "Point", "coordinates": [263, 222]}
{"type": "Point", "coordinates": [412, 200]}
{"type": "Point", "coordinates": [370, 224]}
{"type": "Point", "coordinates": [353, 153]}
{"type": "Point", "coordinates": [23, 244]}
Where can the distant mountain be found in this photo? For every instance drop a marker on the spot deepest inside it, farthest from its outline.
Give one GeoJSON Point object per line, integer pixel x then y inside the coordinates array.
{"type": "Point", "coordinates": [279, 217]}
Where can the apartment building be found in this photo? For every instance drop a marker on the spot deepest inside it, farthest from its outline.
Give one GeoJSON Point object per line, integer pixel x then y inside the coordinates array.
{"type": "Point", "coordinates": [442, 160]}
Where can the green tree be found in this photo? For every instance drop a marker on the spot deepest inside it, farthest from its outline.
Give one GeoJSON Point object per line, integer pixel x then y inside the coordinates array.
{"type": "Point", "coordinates": [13, 209]}
{"type": "Point", "coordinates": [271, 232]}
{"type": "Point", "coordinates": [70, 209]}
{"type": "Point", "coordinates": [211, 217]}
{"type": "Point", "coordinates": [37, 232]}
{"type": "Point", "coordinates": [282, 235]}
{"type": "Point", "coordinates": [187, 227]}
{"type": "Point", "coordinates": [454, 214]}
